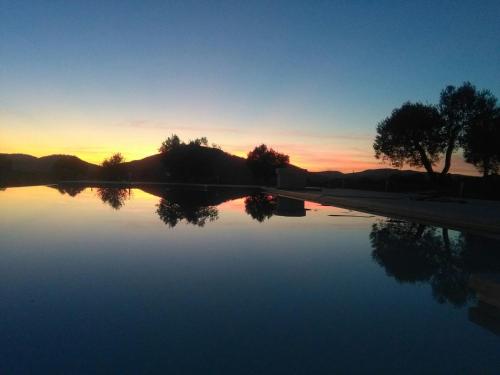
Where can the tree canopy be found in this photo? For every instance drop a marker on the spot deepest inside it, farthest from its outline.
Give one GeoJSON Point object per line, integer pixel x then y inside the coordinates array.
{"type": "Point", "coordinates": [174, 142]}
{"type": "Point", "coordinates": [421, 135]}
{"type": "Point", "coordinates": [112, 167]}
{"type": "Point", "coordinates": [411, 135]}
{"type": "Point", "coordinates": [461, 108]}
{"type": "Point", "coordinates": [481, 138]}
{"type": "Point", "coordinates": [263, 162]}
{"type": "Point", "coordinates": [188, 162]}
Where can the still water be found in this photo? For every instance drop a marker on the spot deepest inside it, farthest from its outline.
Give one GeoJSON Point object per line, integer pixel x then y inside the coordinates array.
{"type": "Point", "coordinates": [158, 280]}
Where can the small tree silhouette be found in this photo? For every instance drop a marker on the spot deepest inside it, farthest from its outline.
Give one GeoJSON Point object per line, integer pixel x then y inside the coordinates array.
{"type": "Point", "coordinates": [112, 167]}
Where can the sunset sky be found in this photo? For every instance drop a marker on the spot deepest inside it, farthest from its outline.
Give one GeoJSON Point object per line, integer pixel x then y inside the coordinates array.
{"type": "Point", "coordinates": [308, 78]}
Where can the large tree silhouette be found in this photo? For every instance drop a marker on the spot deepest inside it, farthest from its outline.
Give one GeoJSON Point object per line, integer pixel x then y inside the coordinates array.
{"type": "Point", "coordinates": [481, 138]}
{"type": "Point", "coordinates": [411, 135]}
{"type": "Point", "coordinates": [462, 109]}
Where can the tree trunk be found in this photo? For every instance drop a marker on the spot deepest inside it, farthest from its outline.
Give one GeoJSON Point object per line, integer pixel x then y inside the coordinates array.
{"type": "Point", "coordinates": [486, 167]}
{"type": "Point", "coordinates": [426, 162]}
{"type": "Point", "coordinates": [449, 152]}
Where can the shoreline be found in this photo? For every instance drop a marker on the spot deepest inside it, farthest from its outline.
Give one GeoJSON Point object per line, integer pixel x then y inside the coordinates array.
{"type": "Point", "coordinates": [471, 215]}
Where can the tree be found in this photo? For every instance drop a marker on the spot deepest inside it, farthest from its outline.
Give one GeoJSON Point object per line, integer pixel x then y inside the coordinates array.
{"type": "Point", "coordinates": [112, 166]}
{"type": "Point", "coordinates": [260, 206]}
{"type": "Point", "coordinates": [411, 135]}
{"type": "Point", "coordinates": [193, 207]}
{"type": "Point", "coordinates": [170, 143]}
{"type": "Point", "coordinates": [481, 139]}
{"type": "Point", "coordinates": [187, 162]}
{"type": "Point", "coordinates": [263, 162]}
{"type": "Point", "coordinates": [460, 108]}
{"type": "Point", "coordinates": [113, 196]}
{"type": "Point", "coordinates": [174, 143]}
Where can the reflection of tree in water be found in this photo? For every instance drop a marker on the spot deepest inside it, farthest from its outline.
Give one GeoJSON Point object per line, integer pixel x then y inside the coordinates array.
{"type": "Point", "coordinates": [171, 213]}
{"type": "Point", "coordinates": [194, 206]}
{"type": "Point", "coordinates": [71, 190]}
{"type": "Point", "coordinates": [412, 252]}
{"type": "Point", "coordinates": [113, 196]}
{"type": "Point", "coordinates": [260, 206]}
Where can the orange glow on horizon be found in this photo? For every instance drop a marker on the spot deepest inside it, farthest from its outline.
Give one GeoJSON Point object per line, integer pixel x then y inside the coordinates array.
{"type": "Point", "coordinates": [137, 143]}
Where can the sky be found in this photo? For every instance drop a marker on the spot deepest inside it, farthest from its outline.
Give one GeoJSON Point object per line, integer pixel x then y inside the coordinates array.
{"type": "Point", "coordinates": [308, 78]}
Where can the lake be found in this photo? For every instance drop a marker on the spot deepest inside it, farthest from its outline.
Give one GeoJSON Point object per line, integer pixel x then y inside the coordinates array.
{"type": "Point", "coordinates": [162, 280]}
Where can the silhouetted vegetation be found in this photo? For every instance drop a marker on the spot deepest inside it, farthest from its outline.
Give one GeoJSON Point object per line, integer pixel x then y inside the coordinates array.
{"type": "Point", "coordinates": [186, 162]}
{"type": "Point", "coordinates": [481, 138]}
{"type": "Point", "coordinates": [462, 108]}
{"type": "Point", "coordinates": [197, 162]}
{"type": "Point", "coordinates": [171, 213]}
{"type": "Point", "coordinates": [115, 197]}
{"type": "Point", "coordinates": [411, 135]}
{"type": "Point", "coordinates": [412, 252]}
{"type": "Point", "coordinates": [260, 206]}
{"type": "Point", "coordinates": [193, 207]}
{"type": "Point", "coordinates": [421, 135]}
{"type": "Point", "coordinates": [263, 162]}
{"type": "Point", "coordinates": [112, 167]}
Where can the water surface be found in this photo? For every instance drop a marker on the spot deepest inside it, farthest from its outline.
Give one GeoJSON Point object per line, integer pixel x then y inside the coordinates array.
{"type": "Point", "coordinates": [157, 280]}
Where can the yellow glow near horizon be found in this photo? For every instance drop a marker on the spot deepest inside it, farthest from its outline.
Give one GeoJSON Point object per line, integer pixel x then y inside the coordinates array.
{"type": "Point", "coordinates": [136, 141]}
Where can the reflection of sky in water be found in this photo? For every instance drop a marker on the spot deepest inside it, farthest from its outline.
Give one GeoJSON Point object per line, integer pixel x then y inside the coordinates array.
{"type": "Point", "coordinates": [85, 286]}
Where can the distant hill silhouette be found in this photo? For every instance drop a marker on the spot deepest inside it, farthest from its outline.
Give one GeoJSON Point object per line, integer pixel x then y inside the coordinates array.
{"type": "Point", "coordinates": [381, 174]}
{"type": "Point", "coordinates": [214, 166]}
{"type": "Point", "coordinates": [223, 168]}
{"type": "Point", "coordinates": [18, 169]}
{"type": "Point", "coordinates": [335, 178]}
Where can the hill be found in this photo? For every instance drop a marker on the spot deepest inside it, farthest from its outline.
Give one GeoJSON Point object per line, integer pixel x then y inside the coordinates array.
{"type": "Point", "coordinates": [202, 164]}
{"type": "Point", "coordinates": [382, 174]}
{"type": "Point", "coordinates": [196, 165]}
{"type": "Point", "coordinates": [19, 169]}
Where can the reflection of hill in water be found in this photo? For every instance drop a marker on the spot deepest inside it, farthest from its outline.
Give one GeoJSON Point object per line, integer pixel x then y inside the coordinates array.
{"type": "Point", "coordinates": [71, 190]}
{"type": "Point", "coordinates": [412, 253]}
{"type": "Point", "coordinates": [206, 197]}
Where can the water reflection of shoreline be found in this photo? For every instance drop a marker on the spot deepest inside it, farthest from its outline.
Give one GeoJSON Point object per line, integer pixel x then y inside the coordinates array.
{"type": "Point", "coordinates": [195, 207]}
{"type": "Point", "coordinates": [413, 253]}
{"type": "Point", "coordinates": [486, 313]}
{"type": "Point", "coordinates": [263, 206]}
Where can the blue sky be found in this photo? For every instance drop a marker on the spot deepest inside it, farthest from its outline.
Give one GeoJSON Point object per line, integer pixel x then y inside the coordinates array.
{"type": "Point", "coordinates": [311, 78]}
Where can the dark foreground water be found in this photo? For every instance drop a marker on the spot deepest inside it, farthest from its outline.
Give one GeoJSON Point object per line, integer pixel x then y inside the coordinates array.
{"type": "Point", "coordinates": [229, 282]}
